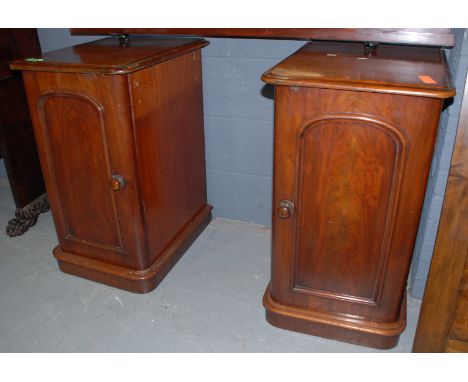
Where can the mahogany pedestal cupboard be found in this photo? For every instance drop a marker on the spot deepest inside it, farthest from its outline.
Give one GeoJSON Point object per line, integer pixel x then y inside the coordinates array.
{"type": "Point", "coordinates": [355, 128]}
{"type": "Point", "coordinates": [119, 129]}
{"type": "Point", "coordinates": [119, 126]}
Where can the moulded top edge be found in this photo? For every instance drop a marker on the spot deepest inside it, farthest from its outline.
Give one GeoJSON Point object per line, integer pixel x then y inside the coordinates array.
{"type": "Point", "coordinates": [420, 71]}
{"type": "Point", "coordinates": [109, 56]}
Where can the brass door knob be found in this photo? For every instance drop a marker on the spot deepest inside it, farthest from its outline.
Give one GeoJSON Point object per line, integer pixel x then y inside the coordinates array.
{"type": "Point", "coordinates": [285, 209]}
{"type": "Point", "coordinates": [117, 182]}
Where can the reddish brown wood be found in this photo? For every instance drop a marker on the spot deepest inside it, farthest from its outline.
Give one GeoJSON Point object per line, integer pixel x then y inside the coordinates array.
{"type": "Point", "coordinates": [418, 36]}
{"type": "Point", "coordinates": [138, 281]}
{"type": "Point", "coordinates": [167, 99]}
{"type": "Point", "coordinates": [443, 321]}
{"type": "Point", "coordinates": [388, 69]}
{"type": "Point", "coordinates": [93, 127]}
{"type": "Point", "coordinates": [110, 56]}
{"type": "Point", "coordinates": [459, 328]}
{"type": "Point", "coordinates": [17, 146]}
{"type": "Point", "coordinates": [355, 164]}
{"type": "Point", "coordinates": [337, 327]}
{"type": "Point", "coordinates": [456, 346]}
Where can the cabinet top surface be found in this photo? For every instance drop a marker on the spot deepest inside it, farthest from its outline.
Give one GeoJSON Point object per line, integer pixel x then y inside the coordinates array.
{"type": "Point", "coordinates": [419, 71]}
{"type": "Point", "coordinates": [109, 56]}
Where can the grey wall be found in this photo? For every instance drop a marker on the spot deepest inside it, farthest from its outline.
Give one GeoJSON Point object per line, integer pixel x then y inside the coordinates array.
{"type": "Point", "coordinates": [56, 38]}
{"type": "Point", "coordinates": [458, 62]}
{"type": "Point", "coordinates": [239, 132]}
{"type": "Point", "coordinates": [239, 125]}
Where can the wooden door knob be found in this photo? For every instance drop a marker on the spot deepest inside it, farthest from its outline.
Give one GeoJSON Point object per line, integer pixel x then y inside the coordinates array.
{"type": "Point", "coordinates": [285, 209]}
{"type": "Point", "coordinates": [117, 182]}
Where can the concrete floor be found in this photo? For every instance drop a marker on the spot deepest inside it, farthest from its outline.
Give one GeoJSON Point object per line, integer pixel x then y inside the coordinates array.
{"type": "Point", "coordinates": [209, 302]}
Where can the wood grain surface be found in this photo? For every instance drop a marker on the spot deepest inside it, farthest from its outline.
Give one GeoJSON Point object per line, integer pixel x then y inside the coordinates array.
{"type": "Point", "coordinates": [110, 56]}
{"type": "Point", "coordinates": [354, 163]}
{"type": "Point", "coordinates": [415, 36]}
{"type": "Point", "coordinates": [135, 115]}
{"type": "Point", "coordinates": [444, 311]}
{"type": "Point", "coordinates": [389, 69]}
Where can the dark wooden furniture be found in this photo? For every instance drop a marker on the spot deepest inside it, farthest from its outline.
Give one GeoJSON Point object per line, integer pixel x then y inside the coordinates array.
{"type": "Point", "coordinates": [414, 36]}
{"type": "Point", "coordinates": [119, 127]}
{"type": "Point", "coordinates": [443, 321]}
{"type": "Point", "coordinates": [17, 145]}
{"type": "Point", "coordinates": [355, 126]}
{"type": "Point", "coordinates": [354, 135]}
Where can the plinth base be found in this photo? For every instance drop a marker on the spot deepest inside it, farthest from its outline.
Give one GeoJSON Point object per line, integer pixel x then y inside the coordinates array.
{"type": "Point", "coordinates": [137, 281]}
{"type": "Point", "coordinates": [354, 331]}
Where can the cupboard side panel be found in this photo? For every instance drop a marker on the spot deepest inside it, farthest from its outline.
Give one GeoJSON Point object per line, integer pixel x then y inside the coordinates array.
{"type": "Point", "coordinates": [168, 128]}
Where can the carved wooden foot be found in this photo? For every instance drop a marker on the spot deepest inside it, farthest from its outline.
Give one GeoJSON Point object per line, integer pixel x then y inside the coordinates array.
{"type": "Point", "coordinates": [27, 216]}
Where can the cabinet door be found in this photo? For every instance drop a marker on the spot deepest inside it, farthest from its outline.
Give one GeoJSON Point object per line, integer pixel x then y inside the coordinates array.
{"type": "Point", "coordinates": [83, 128]}
{"type": "Point", "coordinates": [353, 167]}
